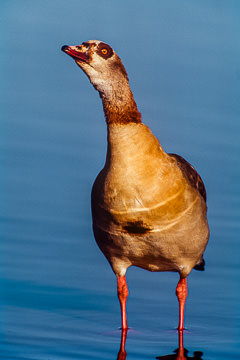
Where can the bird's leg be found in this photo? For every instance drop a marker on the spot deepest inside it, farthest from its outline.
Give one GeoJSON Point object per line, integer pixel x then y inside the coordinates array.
{"type": "Point", "coordinates": [181, 292]}
{"type": "Point", "coordinates": [122, 291]}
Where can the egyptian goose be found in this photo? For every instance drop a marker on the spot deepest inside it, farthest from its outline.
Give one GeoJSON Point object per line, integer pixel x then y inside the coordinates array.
{"type": "Point", "coordinates": [148, 207]}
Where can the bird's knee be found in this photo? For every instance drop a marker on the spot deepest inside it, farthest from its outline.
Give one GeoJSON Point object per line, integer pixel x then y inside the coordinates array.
{"type": "Point", "coordinates": [181, 289]}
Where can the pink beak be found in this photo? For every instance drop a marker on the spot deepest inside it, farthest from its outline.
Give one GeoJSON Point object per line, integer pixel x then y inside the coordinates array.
{"type": "Point", "coordinates": [75, 52]}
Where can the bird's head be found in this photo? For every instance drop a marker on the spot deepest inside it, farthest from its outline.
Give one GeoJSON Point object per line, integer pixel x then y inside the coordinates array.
{"type": "Point", "coordinates": [100, 63]}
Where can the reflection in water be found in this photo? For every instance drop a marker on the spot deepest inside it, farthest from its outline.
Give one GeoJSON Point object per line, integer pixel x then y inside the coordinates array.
{"type": "Point", "coordinates": [122, 354]}
{"type": "Point", "coordinates": [180, 353]}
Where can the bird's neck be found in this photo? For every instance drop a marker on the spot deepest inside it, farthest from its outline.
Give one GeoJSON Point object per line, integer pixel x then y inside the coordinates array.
{"type": "Point", "coordinates": [119, 105]}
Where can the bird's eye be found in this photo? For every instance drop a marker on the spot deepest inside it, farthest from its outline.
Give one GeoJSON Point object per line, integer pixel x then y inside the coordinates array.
{"type": "Point", "coordinates": [104, 51]}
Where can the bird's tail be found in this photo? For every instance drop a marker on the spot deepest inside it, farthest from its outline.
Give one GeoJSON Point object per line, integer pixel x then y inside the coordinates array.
{"type": "Point", "coordinates": [200, 266]}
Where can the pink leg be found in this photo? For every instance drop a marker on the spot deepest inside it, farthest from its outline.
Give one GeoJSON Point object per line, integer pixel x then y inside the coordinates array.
{"type": "Point", "coordinates": [122, 291]}
{"type": "Point", "coordinates": [181, 292]}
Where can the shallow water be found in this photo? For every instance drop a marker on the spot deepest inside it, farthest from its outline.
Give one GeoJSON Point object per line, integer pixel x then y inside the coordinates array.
{"type": "Point", "coordinates": [58, 294]}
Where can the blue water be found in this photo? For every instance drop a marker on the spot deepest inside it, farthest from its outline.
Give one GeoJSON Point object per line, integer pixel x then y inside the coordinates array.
{"type": "Point", "coordinates": [58, 293]}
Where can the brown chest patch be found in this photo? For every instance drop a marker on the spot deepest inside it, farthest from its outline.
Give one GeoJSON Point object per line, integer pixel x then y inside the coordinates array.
{"type": "Point", "coordinates": [136, 227]}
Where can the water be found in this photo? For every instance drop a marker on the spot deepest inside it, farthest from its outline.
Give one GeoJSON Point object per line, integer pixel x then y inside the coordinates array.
{"type": "Point", "coordinates": [58, 294]}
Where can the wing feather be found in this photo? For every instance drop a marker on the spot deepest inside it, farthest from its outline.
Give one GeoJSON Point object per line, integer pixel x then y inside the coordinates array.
{"type": "Point", "coordinates": [191, 175]}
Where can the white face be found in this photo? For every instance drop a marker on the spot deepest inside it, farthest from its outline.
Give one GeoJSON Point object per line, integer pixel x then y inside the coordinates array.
{"type": "Point", "coordinates": [100, 63]}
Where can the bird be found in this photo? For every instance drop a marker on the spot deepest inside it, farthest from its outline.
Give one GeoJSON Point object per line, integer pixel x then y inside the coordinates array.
{"type": "Point", "coordinates": [148, 206]}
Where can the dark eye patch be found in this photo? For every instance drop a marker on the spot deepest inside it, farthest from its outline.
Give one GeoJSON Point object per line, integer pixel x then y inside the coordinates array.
{"type": "Point", "coordinates": [104, 50]}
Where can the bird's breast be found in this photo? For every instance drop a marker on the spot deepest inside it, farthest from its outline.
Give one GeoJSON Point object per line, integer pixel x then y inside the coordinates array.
{"type": "Point", "coordinates": [139, 190]}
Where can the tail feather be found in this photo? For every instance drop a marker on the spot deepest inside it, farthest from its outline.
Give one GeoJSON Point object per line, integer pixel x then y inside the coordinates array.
{"type": "Point", "coordinates": [200, 266]}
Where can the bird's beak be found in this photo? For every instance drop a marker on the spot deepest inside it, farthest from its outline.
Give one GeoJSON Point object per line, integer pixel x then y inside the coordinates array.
{"type": "Point", "coordinates": [78, 52]}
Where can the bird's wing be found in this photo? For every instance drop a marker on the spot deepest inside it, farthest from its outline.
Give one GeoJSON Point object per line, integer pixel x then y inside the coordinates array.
{"type": "Point", "coordinates": [191, 175]}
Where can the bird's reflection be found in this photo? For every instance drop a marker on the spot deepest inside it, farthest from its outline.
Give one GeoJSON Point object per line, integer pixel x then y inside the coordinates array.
{"type": "Point", "coordinates": [180, 353]}
{"type": "Point", "coordinates": [122, 354]}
